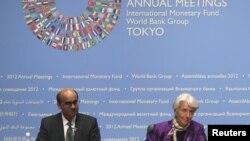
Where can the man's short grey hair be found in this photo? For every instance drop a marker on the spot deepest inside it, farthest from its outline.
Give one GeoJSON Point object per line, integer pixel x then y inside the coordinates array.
{"type": "Point", "coordinates": [191, 100]}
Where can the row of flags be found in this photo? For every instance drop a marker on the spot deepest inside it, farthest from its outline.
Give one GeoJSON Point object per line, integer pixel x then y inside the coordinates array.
{"type": "Point", "coordinates": [71, 33]}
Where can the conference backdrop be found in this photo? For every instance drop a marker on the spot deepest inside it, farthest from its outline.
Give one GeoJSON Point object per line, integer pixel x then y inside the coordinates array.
{"type": "Point", "coordinates": [128, 60]}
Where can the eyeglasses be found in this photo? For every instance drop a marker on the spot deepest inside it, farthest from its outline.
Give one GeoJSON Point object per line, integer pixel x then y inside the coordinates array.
{"type": "Point", "coordinates": [69, 103]}
{"type": "Point", "coordinates": [185, 111]}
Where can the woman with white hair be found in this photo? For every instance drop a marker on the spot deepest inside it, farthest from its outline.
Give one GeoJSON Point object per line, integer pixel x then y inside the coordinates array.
{"type": "Point", "coordinates": [181, 127]}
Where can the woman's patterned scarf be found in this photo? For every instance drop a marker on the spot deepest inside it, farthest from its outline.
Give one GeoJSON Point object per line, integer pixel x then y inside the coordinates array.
{"type": "Point", "coordinates": [176, 127]}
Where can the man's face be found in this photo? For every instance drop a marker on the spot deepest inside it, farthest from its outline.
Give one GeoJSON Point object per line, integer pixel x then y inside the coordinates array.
{"type": "Point", "coordinates": [69, 104]}
{"type": "Point", "coordinates": [184, 113]}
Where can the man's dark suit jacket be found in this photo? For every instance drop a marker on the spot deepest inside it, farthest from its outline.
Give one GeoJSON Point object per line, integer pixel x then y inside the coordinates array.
{"type": "Point", "coordinates": [52, 128]}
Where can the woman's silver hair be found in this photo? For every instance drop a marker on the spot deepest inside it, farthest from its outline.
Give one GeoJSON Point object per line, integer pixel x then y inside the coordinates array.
{"type": "Point", "coordinates": [187, 98]}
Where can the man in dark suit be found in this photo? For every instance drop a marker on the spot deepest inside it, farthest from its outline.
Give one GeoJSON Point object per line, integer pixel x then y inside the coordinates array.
{"type": "Point", "coordinates": [82, 127]}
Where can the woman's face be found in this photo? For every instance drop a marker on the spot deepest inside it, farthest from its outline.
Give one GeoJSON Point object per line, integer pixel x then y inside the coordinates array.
{"type": "Point", "coordinates": [184, 113]}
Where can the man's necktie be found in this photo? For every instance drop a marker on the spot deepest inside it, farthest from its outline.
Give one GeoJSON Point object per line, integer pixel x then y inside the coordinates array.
{"type": "Point", "coordinates": [70, 132]}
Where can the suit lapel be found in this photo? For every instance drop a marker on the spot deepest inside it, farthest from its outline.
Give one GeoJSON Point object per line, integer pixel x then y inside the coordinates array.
{"type": "Point", "coordinates": [60, 127]}
{"type": "Point", "coordinates": [167, 128]}
{"type": "Point", "coordinates": [77, 130]}
{"type": "Point", "coordinates": [189, 132]}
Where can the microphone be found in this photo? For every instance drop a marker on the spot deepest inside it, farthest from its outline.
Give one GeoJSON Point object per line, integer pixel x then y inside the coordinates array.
{"type": "Point", "coordinates": [74, 129]}
{"type": "Point", "coordinates": [149, 131]}
{"type": "Point", "coordinates": [150, 128]}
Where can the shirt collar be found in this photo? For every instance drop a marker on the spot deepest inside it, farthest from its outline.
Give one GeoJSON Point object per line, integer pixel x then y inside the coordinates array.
{"type": "Point", "coordinates": [65, 121]}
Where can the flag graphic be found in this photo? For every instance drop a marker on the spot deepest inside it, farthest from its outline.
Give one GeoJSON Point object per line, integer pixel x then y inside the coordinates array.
{"type": "Point", "coordinates": [71, 33]}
